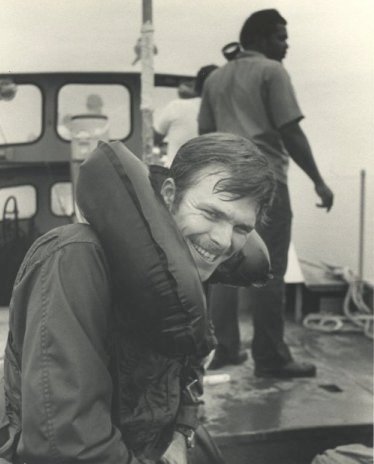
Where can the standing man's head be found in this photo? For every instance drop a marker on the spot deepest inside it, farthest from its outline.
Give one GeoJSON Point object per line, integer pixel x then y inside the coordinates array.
{"type": "Point", "coordinates": [220, 185]}
{"type": "Point", "coordinates": [265, 31]}
{"type": "Point", "coordinates": [202, 74]}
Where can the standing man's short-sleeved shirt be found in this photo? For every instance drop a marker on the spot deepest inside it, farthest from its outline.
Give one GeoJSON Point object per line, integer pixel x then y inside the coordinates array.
{"type": "Point", "coordinates": [252, 96]}
{"type": "Point", "coordinates": [178, 123]}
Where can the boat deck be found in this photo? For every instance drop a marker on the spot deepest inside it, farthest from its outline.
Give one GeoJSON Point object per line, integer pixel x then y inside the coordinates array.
{"type": "Point", "coordinates": [265, 421]}
{"type": "Point", "coordinates": [269, 421]}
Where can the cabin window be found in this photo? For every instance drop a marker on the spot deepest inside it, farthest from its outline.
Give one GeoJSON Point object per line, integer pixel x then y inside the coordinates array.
{"type": "Point", "coordinates": [110, 100]}
{"type": "Point", "coordinates": [22, 198]}
{"type": "Point", "coordinates": [21, 116]}
{"type": "Point", "coordinates": [62, 199]}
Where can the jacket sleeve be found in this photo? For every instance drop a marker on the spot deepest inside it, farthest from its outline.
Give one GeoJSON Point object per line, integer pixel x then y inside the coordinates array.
{"type": "Point", "coordinates": [281, 98]}
{"type": "Point", "coordinates": [66, 385]}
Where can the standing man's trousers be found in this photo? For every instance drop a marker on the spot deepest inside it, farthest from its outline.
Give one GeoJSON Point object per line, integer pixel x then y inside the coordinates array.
{"type": "Point", "coordinates": [266, 303]}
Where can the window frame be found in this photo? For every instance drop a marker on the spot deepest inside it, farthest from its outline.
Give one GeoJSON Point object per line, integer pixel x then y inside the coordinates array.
{"type": "Point", "coordinates": [20, 218]}
{"type": "Point", "coordinates": [117, 83]}
{"type": "Point", "coordinates": [42, 118]}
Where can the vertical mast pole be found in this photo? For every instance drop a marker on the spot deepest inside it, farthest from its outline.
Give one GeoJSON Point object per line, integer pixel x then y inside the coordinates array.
{"type": "Point", "coordinates": [147, 82]}
{"type": "Point", "coordinates": [361, 226]}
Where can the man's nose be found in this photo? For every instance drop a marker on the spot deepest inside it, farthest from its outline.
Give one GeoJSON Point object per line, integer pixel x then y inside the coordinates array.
{"type": "Point", "coordinates": [221, 234]}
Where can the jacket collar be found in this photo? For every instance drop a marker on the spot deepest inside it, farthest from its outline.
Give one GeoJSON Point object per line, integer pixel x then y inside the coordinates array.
{"type": "Point", "coordinates": [250, 54]}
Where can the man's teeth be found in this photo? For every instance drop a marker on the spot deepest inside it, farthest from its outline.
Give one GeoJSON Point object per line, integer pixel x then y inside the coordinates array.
{"type": "Point", "coordinates": [204, 253]}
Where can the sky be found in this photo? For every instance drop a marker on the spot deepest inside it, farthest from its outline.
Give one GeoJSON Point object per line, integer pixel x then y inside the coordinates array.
{"type": "Point", "coordinates": [100, 34]}
{"type": "Point", "coordinates": [330, 61]}
{"type": "Point", "coordinates": [330, 57]}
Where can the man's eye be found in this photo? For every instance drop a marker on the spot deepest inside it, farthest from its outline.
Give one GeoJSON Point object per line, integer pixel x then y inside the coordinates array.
{"type": "Point", "coordinates": [210, 214]}
{"type": "Point", "coordinates": [242, 230]}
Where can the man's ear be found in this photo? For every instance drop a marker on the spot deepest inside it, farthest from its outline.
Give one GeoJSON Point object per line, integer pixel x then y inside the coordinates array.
{"type": "Point", "coordinates": [168, 190]}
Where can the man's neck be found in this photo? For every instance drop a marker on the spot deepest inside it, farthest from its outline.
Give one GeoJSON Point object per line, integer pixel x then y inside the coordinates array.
{"type": "Point", "coordinates": [250, 52]}
{"type": "Point", "coordinates": [256, 51]}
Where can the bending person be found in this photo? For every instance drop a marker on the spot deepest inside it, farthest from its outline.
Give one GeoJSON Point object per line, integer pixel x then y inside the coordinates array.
{"type": "Point", "coordinates": [84, 382]}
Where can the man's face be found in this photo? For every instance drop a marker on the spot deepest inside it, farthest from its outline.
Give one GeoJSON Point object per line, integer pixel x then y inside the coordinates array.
{"type": "Point", "coordinates": [275, 46]}
{"type": "Point", "coordinates": [213, 227]}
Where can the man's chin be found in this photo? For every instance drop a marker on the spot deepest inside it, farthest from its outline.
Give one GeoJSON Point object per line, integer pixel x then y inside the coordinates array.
{"type": "Point", "coordinates": [204, 268]}
{"type": "Point", "coordinates": [206, 271]}
{"type": "Point", "coordinates": [204, 274]}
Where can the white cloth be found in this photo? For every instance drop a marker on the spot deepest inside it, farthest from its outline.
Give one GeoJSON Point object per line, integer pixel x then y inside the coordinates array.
{"type": "Point", "coordinates": [347, 454]}
{"type": "Point", "coordinates": [178, 123]}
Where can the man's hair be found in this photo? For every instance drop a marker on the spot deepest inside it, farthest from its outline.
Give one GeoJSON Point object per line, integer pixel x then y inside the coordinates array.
{"type": "Point", "coordinates": [260, 24]}
{"type": "Point", "coordinates": [202, 74]}
{"type": "Point", "coordinates": [249, 171]}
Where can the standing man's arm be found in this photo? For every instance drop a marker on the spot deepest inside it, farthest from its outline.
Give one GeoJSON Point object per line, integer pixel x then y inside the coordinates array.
{"type": "Point", "coordinates": [286, 115]}
{"type": "Point", "coordinates": [299, 149]}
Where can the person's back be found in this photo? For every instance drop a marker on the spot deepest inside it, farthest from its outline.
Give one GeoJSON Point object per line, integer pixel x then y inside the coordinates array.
{"type": "Point", "coordinates": [70, 323]}
{"type": "Point", "coordinates": [251, 96]}
{"type": "Point", "coordinates": [178, 120]}
{"type": "Point", "coordinates": [238, 102]}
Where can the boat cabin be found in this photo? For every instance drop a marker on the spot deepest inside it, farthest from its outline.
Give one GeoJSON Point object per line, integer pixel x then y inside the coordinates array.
{"type": "Point", "coordinates": [37, 112]}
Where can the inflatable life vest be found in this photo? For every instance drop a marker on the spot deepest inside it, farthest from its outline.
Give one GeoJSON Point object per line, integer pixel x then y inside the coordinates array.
{"type": "Point", "coordinates": [152, 268]}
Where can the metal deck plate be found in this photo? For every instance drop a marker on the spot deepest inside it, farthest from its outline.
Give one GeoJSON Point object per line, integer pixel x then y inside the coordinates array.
{"type": "Point", "coordinates": [266, 418]}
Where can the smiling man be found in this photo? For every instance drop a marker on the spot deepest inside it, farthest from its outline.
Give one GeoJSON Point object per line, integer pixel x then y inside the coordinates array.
{"type": "Point", "coordinates": [220, 185]}
{"type": "Point", "coordinates": [215, 224]}
{"type": "Point", "coordinates": [85, 384]}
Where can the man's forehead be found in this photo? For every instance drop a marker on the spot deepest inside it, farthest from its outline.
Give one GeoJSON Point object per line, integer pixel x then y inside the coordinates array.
{"type": "Point", "coordinates": [210, 174]}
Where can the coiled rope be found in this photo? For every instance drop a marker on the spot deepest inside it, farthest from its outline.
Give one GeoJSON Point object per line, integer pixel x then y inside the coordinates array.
{"type": "Point", "coordinates": [357, 315]}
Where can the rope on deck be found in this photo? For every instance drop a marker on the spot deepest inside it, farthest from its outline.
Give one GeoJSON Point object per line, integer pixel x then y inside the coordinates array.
{"type": "Point", "coordinates": [357, 315]}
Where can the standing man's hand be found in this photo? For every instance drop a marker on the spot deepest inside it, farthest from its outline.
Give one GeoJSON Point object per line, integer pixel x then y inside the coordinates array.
{"type": "Point", "coordinates": [325, 194]}
{"type": "Point", "coordinates": [176, 452]}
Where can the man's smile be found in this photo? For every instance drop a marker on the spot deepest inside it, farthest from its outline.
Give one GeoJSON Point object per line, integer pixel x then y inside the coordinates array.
{"type": "Point", "coordinates": [207, 255]}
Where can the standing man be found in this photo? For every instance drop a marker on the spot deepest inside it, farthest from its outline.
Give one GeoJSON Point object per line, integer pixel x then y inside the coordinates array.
{"type": "Point", "coordinates": [84, 380]}
{"type": "Point", "coordinates": [252, 96]}
{"type": "Point", "coordinates": [177, 122]}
